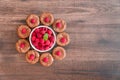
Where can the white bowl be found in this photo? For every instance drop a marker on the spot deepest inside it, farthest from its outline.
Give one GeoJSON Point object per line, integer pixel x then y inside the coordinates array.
{"type": "Point", "coordinates": [34, 46]}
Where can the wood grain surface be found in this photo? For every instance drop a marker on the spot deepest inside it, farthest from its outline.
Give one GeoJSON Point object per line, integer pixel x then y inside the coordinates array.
{"type": "Point", "coordinates": [94, 51]}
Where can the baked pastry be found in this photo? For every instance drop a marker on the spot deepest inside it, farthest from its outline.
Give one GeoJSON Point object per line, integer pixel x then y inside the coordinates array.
{"type": "Point", "coordinates": [32, 56]}
{"type": "Point", "coordinates": [23, 31]}
{"type": "Point", "coordinates": [63, 39]}
{"type": "Point", "coordinates": [46, 59]}
{"type": "Point", "coordinates": [59, 25]}
{"type": "Point", "coordinates": [46, 18]}
{"type": "Point", "coordinates": [59, 53]}
{"type": "Point", "coordinates": [22, 46]}
{"type": "Point", "coordinates": [32, 20]}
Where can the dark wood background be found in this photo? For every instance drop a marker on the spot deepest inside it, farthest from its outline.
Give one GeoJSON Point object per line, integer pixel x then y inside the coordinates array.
{"type": "Point", "coordinates": [94, 51]}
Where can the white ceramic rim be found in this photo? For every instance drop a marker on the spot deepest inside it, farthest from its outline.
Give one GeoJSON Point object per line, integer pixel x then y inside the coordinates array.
{"type": "Point", "coordinates": [34, 46]}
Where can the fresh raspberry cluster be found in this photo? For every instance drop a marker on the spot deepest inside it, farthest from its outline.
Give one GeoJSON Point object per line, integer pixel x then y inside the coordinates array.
{"type": "Point", "coordinates": [42, 38]}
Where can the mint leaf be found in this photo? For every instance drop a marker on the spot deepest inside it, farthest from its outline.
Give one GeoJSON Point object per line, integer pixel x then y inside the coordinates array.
{"type": "Point", "coordinates": [45, 37]}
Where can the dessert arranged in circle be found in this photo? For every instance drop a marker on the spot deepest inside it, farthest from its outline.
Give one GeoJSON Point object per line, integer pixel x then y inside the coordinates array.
{"type": "Point", "coordinates": [42, 39]}
{"type": "Point", "coordinates": [32, 56]}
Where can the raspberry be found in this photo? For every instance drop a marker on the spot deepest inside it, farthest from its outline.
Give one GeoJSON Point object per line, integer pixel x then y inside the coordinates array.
{"type": "Point", "coordinates": [32, 57]}
{"type": "Point", "coordinates": [33, 21]}
{"type": "Point", "coordinates": [35, 44]}
{"type": "Point", "coordinates": [51, 39]}
{"type": "Point", "coordinates": [63, 40]}
{"type": "Point", "coordinates": [51, 44]}
{"type": "Point", "coordinates": [49, 32]}
{"type": "Point", "coordinates": [40, 29]}
{"type": "Point", "coordinates": [22, 45]}
{"type": "Point", "coordinates": [41, 48]}
{"type": "Point", "coordinates": [41, 41]}
{"type": "Point", "coordinates": [37, 40]}
{"type": "Point", "coordinates": [58, 25]}
{"type": "Point", "coordinates": [45, 29]}
{"type": "Point", "coordinates": [33, 38]}
{"type": "Point", "coordinates": [34, 34]}
{"type": "Point", "coordinates": [37, 47]}
{"type": "Point", "coordinates": [45, 59]}
{"type": "Point", "coordinates": [47, 42]}
{"type": "Point", "coordinates": [42, 32]}
{"type": "Point", "coordinates": [46, 47]}
{"type": "Point", "coordinates": [39, 35]}
{"type": "Point", "coordinates": [24, 30]}
{"type": "Point", "coordinates": [37, 30]}
{"type": "Point", "coordinates": [49, 35]}
{"type": "Point", "coordinates": [47, 19]}
{"type": "Point", "coordinates": [58, 53]}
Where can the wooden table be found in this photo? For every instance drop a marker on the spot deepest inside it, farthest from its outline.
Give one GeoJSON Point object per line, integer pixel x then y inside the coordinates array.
{"type": "Point", "coordinates": [94, 51]}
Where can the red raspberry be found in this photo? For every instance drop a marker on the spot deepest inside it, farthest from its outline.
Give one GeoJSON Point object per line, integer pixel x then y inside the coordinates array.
{"type": "Point", "coordinates": [63, 40]}
{"type": "Point", "coordinates": [33, 21]}
{"type": "Point", "coordinates": [35, 44]}
{"type": "Point", "coordinates": [41, 41]}
{"type": "Point", "coordinates": [45, 29]}
{"type": "Point", "coordinates": [32, 57]}
{"type": "Point", "coordinates": [58, 25]}
{"type": "Point", "coordinates": [33, 38]}
{"type": "Point", "coordinates": [58, 53]}
{"type": "Point", "coordinates": [47, 42]}
{"type": "Point", "coordinates": [37, 40]}
{"type": "Point", "coordinates": [47, 19]}
{"type": "Point", "coordinates": [34, 34]}
{"type": "Point", "coordinates": [42, 32]}
{"type": "Point", "coordinates": [40, 29]}
{"type": "Point", "coordinates": [22, 45]}
{"type": "Point", "coordinates": [24, 30]}
{"type": "Point", "coordinates": [37, 30]}
{"type": "Point", "coordinates": [41, 48]}
{"type": "Point", "coordinates": [37, 47]}
{"type": "Point", "coordinates": [46, 47]}
{"type": "Point", "coordinates": [45, 59]}
{"type": "Point", "coordinates": [39, 35]}
{"type": "Point", "coordinates": [49, 35]}
{"type": "Point", "coordinates": [51, 44]}
{"type": "Point", "coordinates": [49, 31]}
{"type": "Point", "coordinates": [51, 39]}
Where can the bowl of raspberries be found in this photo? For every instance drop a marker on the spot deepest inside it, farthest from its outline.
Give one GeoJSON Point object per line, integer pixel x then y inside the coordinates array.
{"type": "Point", "coordinates": [42, 38]}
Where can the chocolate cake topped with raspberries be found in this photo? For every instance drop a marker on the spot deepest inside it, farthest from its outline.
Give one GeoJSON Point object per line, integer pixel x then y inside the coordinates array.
{"type": "Point", "coordinates": [42, 39]}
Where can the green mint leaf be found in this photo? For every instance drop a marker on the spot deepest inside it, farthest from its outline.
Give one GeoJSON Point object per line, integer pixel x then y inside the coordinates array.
{"type": "Point", "coordinates": [45, 37]}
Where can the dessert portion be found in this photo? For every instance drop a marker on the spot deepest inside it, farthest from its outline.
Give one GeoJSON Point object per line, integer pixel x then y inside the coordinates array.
{"type": "Point", "coordinates": [42, 38]}
{"type": "Point", "coordinates": [32, 20]}
{"type": "Point", "coordinates": [32, 56]}
{"type": "Point", "coordinates": [63, 39]}
{"type": "Point", "coordinates": [59, 25]}
{"type": "Point", "coordinates": [46, 18]}
{"type": "Point", "coordinates": [22, 46]}
{"type": "Point", "coordinates": [59, 53]}
{"type": "Point", "coordinates": [23, 31]}
{"type": "Point", "coordinates": [46, 59]}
